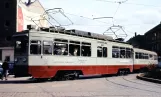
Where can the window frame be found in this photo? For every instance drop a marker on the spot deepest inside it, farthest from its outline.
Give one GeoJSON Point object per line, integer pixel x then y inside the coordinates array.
{"type": "Point", "coordinates": [50, 45]}
{"type": "Point", "coordinates": [61, 41]}
{"type": "Point", "coordinates": [122, 49]}
{"type": "Point", "coordinates": [101, 50]}
{"type": "Point", "coordinates": [128, 50]}
{"type": "Point", "coordinates": [106, 52]}
{"type": "Point", "coordinates": [35, 44]}
{"type": "Point", "coordinates": [116, 48]}
{"type": "Point", "coordinates": [86, 44]}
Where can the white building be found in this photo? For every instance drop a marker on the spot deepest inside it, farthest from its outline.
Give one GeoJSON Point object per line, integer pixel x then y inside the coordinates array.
{"type": "Point", "coordinates": [29, 12]}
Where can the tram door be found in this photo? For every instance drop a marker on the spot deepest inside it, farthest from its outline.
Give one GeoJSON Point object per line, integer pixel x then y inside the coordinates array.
{"type": "Point", "coordinates": [102, 57]}
{"type": "Point", "coordinates": [133, 58]}
{"type": "Point", "coordinates": [47, 52]}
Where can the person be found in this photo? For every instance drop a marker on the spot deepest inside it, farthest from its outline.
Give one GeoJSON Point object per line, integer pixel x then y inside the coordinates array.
{"type": "Point", "coordinates": [75, 51]}
{"type": "Point", "coordinates": [5, 67]}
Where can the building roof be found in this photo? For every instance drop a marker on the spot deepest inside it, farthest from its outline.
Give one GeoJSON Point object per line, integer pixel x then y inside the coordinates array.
{"type": "Point", "coordinates": [137, 41]}
{"type": "Point", "coordinates": [35, 6]}
{"type": "Point", "coordinates": [154, 29]}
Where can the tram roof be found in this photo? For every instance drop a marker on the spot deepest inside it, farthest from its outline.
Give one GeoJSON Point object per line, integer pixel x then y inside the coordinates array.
{"type": "Point", "coordinates": [144, 51]}
{"type": "Point", "coordinates": [73, 32]}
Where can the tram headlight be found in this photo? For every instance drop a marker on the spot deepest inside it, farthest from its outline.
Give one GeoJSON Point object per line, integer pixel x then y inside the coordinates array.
{"type": "Point", "coordinates": [24, 59]}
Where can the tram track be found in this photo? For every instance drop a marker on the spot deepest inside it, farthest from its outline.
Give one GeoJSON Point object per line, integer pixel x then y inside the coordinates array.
{"type": "Point", "coordinates": [115, 86]}
{"type": "Point", "coordinates": [44, 90]}
{"type": "Point", "coordinates": [129, 86]}
{"type": "Point", "coordinates": [140, 83]}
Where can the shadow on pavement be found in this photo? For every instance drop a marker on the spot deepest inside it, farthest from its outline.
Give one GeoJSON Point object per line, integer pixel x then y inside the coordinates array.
{"type": "Point", "coordinates": [25, 81]}
{"type": "Point", "coordinates": [31, 80]}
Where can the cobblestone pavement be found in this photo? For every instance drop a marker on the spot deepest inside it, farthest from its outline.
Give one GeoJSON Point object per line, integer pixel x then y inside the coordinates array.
{"type": "Point", "coordinates": [115, 86]}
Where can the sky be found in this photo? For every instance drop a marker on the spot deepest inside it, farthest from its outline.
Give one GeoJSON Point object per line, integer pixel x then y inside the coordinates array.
{"type": "Point", "coordinates": [132, 15]}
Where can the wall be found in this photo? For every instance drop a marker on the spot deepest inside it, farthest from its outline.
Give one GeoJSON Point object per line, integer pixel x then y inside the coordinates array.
{"type": "Point", "coordinates": [16, 16]}
{"type": "Point", "coordinates": [153, 40]}
{"type": "Point", "coordinates": [31, 14]}
{"type": "Point", "coordinates": [7, 21]}
{"type": "Point", "coordinates": [7, 52]}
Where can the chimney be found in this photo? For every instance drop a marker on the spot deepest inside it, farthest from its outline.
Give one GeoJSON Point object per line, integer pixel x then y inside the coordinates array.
{"type": "Point", "coordinates": [29, 2]}
{"type": "Point", "coordinates": [135, 34]}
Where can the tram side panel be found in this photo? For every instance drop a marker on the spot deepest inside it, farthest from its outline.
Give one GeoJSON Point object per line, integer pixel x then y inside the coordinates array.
{"type": "Point", "coordinates": [46, 66]}
{"type": "Point", "coordinates": [144, 58]}
{"type": "Point", "coordinates": [121, 56]}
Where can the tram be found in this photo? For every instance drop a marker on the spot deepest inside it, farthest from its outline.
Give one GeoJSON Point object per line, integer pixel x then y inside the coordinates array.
{"type": "Point", "coordinates": [144, 58]}
{"type": "Point", "coordinates": [50, 53]}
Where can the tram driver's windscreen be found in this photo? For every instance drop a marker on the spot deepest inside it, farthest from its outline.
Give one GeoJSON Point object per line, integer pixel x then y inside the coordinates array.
{"type": "Point", "coordinates": [21, 46]}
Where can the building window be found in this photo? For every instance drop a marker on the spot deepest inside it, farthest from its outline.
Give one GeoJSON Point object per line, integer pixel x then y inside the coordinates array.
{"type": "Point", "coordinates": [7, 5]}
{"type": "Point", "coordinates": [154, 34]}
{"type": "Point", "coordinates": [7, 58]}
{"type": "Point", "coordinates": [7, 23]}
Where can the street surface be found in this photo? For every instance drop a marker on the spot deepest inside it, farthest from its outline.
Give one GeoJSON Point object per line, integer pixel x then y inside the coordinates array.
{"type": "Point", "coordinates": [115, 86]}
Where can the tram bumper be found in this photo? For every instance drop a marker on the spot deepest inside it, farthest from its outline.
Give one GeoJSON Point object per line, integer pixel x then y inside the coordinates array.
{"type": "Point", "coordinates": [21, 71]}
{"type": "Point", "coordinates": [42, 71]}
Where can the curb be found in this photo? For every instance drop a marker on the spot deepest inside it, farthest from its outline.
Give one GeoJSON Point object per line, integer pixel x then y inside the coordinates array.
{"type": "Point", "coordinates": [140, 76]}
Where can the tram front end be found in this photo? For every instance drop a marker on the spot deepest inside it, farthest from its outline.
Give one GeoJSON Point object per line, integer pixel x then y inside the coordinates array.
{"type": "Point", "coordinates": [21, 45]}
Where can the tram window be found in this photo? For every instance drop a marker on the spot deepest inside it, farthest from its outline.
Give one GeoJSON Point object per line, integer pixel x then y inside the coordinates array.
{"type": "Point", "coordinates": [115, 52]}
{"type": "Point", "coordinates": [75, 42]}
{"type": "Point", "coordinates": [86, 49]}
{"type": "Point", "coordinates": [60, 48]}
{"type": "Point", "coordinates": [151, 56]}
{"type": "Point", "coordinates": [146, 56]}
{"type": "Point", "coordinates": [140, 55]}
{"type": "Point", "coordinates": [99, 51]}
{"type": "Point", "coordinates": [155, 57]}
{"type": "Point", "coordinates": [21, 46]}
{"type": "Point", "coordinates": [143, 56]}
{"type": "Point", "coordinates": [47, 47]}
{"type": "Point", "coordinates": [35, 47]}
{"type": "Point", "coordinates": [85, 43]}
{"type": "Point", "coordinates": [104, 51]}
{"type": "Point", "coordinates": [74, 50]}
{"type": "Point", "coordinates": [136, 55]}
{"type": "Point", "coordinates": [122, 52]}
{"type": "Point", "coordinates": [132, 53]}
{"type": "Point", "coordinates": [34, 42]}
{"type": "Point", "coordinates": [61, 40]}
{"type": "Point", "coordinates": [128, 53]}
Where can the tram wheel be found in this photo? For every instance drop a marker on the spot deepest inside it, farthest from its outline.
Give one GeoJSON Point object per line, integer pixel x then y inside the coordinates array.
{"type": "Point", "coordinates": [67, 77]}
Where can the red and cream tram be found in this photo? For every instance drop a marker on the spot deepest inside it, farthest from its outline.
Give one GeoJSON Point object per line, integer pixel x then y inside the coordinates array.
{"type": "Point", "coordinates": [48, 53]}
{"type": "Point", "coordinates": [144, 58]}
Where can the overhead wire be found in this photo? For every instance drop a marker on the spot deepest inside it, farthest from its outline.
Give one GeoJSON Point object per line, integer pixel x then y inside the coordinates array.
{"type": "Point", "coordinates": [114, 13]}
{"type": "Point", "coordinates": [118, 27]}
{"type": "Point", "coordinates": [102, 1]}
{"type": "Point", "coordinates": [108, 1]}
{"type": "Point", "coordinates": [86, 18]}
